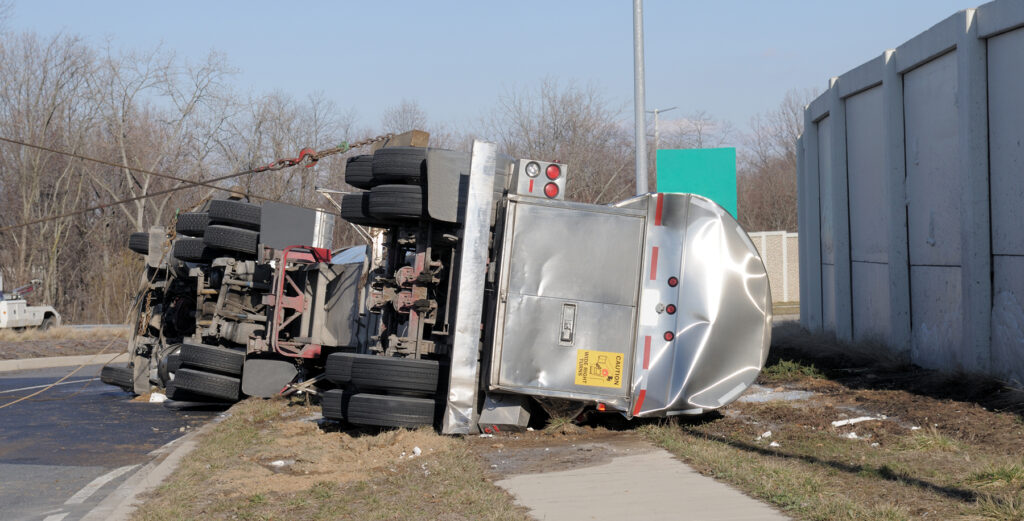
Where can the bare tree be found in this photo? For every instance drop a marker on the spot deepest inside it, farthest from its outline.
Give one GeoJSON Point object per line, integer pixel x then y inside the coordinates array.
{"type": "Point", "coordinates": [573, 125]}
{"type": "Point", "coordinates": [767, 195]}
{"type": "Point", "coordinates": [697, 130]}
{"type": "Point", "coordinates": [44, 99]}
{"type": "Point", "coordinates": [147, 137]}
{"type": "Point", "coordinates": [405, 116]}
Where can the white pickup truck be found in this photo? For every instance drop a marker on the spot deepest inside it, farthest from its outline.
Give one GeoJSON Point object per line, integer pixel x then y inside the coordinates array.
{"type": "Point", "coordinates": [15, 313]}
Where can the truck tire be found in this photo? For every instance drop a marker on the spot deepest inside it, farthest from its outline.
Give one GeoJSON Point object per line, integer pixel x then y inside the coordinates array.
{"type": "Point", "coordinates": [46, 324]}
{"type": "Point", "coordinates": [168, 366]}
{"type": "Point", "coordinates": [389, 411]}
{"type": "Point", "coordinates": [192, 224]}
{"type": "Point", "coordinates": [333, 403]}
{"type": "Point", "coordinates": [139, 242]}
{"type": "Point", "coordinates": [400, 165]}
{"type": "Point", "coordinates": [338, 368]}
{"type": "Point", "coordinates": [172, 392]}
{"type": "Point", "coordinates": [359, 171]}
{"type": "Point", "coordinates": [355, 208]}
{"type": "Point", "coordinates": [407, 376]}
{"type": "Point", "coordinates": [208, 384]}
{"type": "Point", "coordinates": [192, 249]}
{"type": "Point", "coordinates": [235, 213]}
{"type": "Point", "coordinates": [118, 375]}
{"type": "Point", "coordinates": [232, 239]}
{"type": "Point", "coordinates": [397, 202]}
{"type": "Point", "coordinates": [212, 358]}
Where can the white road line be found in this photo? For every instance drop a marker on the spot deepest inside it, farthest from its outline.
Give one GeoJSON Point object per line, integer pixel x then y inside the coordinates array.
{"type": "Point", "coordinates": [47, 385]}
{"type": "Point", "coordinates": [95, 485]}
{"type": "Point", "coordinates": [56, 517]}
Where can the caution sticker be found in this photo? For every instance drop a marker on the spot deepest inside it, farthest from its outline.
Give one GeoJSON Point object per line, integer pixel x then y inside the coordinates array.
{"type": "Point", "coordinates": [599, 368]}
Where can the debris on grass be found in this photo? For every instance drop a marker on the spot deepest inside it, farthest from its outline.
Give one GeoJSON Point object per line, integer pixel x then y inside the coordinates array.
{"type": "Point", "coordinates": [851, 421]}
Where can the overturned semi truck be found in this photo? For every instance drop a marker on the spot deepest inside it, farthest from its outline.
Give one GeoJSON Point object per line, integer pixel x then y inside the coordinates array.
{"type": "Point", "coordinates": [479, 294]}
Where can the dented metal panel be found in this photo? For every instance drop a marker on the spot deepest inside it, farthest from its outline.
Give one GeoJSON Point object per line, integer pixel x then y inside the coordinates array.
{"type": "Point", "coordinates": [693, 338]}
{"type": "Point", "coordinates": [703, 356]}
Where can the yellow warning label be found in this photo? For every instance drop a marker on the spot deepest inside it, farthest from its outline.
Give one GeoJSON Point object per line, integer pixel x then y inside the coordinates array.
{"type": "Point", "coordinates": [599, 368]}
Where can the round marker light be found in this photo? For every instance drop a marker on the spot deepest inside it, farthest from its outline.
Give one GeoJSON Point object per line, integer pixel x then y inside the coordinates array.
{"type": "Point", "coordinates": [553, 172]}
{"type": "Point", "coordinates": [551, 190]}
{"type": "Point", "coordinates": [669, 336]}
{"type": "Point", "coordinates": [670, 309]}
{"type": "Point", "coordinates": [673, 282]}
{"type": "Point", "coordinates": [532, 169]}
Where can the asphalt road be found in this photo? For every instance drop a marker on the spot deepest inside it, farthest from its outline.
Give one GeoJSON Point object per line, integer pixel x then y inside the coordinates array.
{"type": "Point", "coordinates": [63, 451]}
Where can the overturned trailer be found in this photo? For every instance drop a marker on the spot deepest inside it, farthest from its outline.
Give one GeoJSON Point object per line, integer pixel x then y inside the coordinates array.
{"type": "Point", "coordinates": [481, 292]}
{"type": "Point", "coordinates": [654, 306]}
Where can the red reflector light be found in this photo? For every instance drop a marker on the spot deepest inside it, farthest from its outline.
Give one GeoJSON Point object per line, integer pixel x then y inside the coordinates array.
{"type": "Point", "coordinates": [551, 190]}
{"type": "Point", "coordinates": [600, 407]}
{"type": "Point", "coordinates": [673, 282]}
{"type": "Point", "coordinates": [669, 335]}
{"type": "Point", "coordinates": [553, 172]}
{"type": "Point", "coordinates": [671, 309]}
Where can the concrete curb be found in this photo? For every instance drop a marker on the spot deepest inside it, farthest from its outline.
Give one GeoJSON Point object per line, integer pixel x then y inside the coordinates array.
{"type": "Point", "coordinates": [122, 502]}
{"type": "Point", "coordinates": [47, 362]}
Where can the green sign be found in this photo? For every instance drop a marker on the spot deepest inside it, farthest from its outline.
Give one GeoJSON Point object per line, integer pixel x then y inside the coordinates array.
{"type": "Point", "coordinates": [710, 172]}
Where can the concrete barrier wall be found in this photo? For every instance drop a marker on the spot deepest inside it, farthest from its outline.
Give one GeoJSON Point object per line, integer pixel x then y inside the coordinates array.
{"type": "Point", "coordinates": [912, 197]}
{"type": "Point", "coordinates": [780, 253]}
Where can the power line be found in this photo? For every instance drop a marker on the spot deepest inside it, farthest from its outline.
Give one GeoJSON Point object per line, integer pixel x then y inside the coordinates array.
{"type": "Point", "coordinates": [117, 165]}
{"type": "Point", "coordinates": [276, 165]}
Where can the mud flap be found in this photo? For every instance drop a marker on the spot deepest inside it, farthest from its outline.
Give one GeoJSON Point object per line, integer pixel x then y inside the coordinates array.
{"type": "Point", "coordinates": [141, 370]}
{"type": "Point", "coordinates": [266, 377]}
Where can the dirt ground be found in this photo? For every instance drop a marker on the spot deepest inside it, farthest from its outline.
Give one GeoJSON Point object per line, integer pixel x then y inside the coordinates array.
{"type": "Point", "coordinates": [272, 459]}
{"type": "Point", "coordinates": [933, 446]}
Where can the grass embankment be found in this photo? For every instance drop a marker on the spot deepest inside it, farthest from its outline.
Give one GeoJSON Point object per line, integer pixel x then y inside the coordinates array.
{"type": "Point", "coordinates": [267, 460]}
{"type": "Point", "coordinates": [61, 341]}
{"type": "Point", "coordinates": [938, 453]}
{"type": "Point", "coordinates": [63, 333]}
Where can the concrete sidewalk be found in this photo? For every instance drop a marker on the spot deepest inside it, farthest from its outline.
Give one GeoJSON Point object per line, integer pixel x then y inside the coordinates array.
{"type": "Point", "coordinates": [651, 485]}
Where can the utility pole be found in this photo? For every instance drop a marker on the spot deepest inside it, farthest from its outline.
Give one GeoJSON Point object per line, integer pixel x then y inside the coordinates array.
{"type": "Point", "coordinates": [638, 97]}
{"type": "Point", "coordinates": [657, 136]}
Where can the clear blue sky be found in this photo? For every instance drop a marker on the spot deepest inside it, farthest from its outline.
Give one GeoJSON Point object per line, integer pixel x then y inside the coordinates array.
{"type": "Point", "coordinates": [731, 58]}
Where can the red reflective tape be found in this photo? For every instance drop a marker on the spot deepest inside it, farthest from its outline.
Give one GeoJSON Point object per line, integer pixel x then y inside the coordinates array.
{"type": "Point", "coordinates": [531, 185]}
{"type": "Point", "coordinates": [654, 263]}
{"type": "Point", "coordinates": [639, 401]}
{"type": "Point", "coordinates": [657, 211]}
{"type": "Point", "coordinates": [647, 351]}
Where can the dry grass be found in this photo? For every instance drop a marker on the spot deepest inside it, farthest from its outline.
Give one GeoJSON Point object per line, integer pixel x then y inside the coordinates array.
{"type": "Point", "coordinates": [929, 440]}
{"type": "Point", "coordinates": [328, 474]}
{"type": "Point", "coordinates": [788, 370]}
{"type": "Point", "coordinates": [63, 333]}
{"type": "Point", "coordinates": [964, 462]}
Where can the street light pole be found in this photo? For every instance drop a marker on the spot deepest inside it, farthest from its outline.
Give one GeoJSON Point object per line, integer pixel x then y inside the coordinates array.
{"type": "Point", "coordinates": [657, 136]}
{"type": "Point", "coordinates": [638, 97]}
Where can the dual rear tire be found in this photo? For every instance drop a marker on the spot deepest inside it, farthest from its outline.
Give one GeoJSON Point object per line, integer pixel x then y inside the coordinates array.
{"type": "Point", "coordinates": [382, 391]}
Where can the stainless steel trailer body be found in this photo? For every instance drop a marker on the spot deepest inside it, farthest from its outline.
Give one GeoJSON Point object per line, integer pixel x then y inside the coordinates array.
{"type": "Point", "coordinates": [656, 306]}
